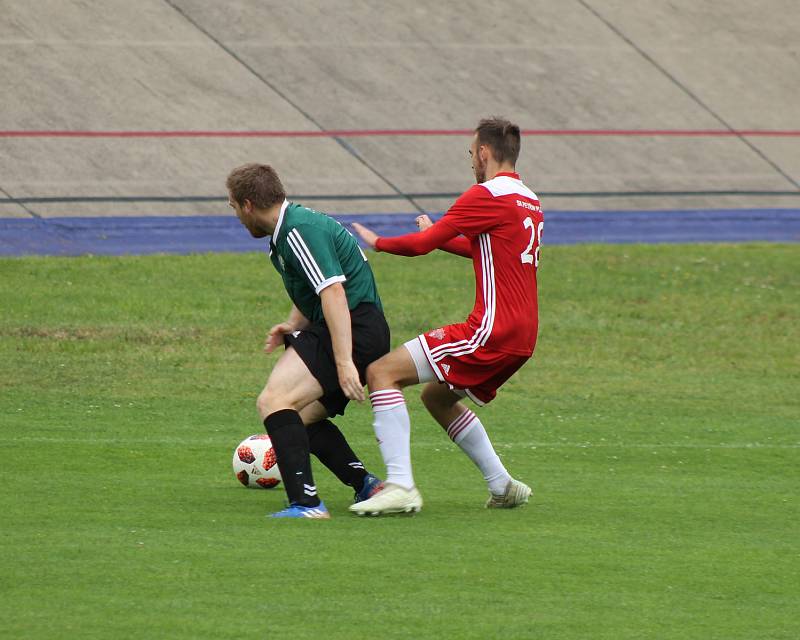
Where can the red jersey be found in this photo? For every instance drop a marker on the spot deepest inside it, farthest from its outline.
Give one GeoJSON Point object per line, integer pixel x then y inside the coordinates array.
{"type": "Point", "coordinates": [501, 221]}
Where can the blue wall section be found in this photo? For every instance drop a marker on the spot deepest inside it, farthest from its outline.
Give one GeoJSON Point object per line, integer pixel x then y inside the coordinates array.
{"type": "Point", "coordinates": [198, 234]}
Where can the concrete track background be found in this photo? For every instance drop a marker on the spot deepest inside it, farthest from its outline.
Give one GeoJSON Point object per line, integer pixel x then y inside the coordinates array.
{"type": "Point", "coordinates": [245, 65]}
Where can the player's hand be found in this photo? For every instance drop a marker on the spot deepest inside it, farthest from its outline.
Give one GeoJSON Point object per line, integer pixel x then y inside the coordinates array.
{"type": "Point", "coordinates": [349, 381]}
{"type": "Point", "coordinates": [368, 236]}
{"type": "Point", "coordinates": [423, 222]}
{"type": "Point", "coordinates": [275, 336]}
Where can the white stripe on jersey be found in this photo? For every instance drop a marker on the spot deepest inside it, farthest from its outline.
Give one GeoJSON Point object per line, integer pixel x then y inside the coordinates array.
{"type": "Point", "coordinates": [492, 304]}
{"type": "Point", "coordinates": [300, 250]}
{"type": "Point", "coordinates": [481, 336]}
{"type": "Point", "coordinates": [484, 330]}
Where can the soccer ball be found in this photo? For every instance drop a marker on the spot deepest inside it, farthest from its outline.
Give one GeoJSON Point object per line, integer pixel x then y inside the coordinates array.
{"type": "Point", "coordinates": [255, 464]}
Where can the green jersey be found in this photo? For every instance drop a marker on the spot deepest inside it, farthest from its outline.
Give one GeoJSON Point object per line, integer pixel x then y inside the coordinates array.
{"type": "Point", "coordinates": [312, 251]}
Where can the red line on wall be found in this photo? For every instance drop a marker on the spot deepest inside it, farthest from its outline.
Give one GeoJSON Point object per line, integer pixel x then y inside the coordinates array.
{"type": "Point", "coordinates": [353, 133]}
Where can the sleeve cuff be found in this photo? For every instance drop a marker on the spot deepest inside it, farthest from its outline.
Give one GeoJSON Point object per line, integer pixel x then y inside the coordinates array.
{"type": "Point", "coordinates": [327, 283]}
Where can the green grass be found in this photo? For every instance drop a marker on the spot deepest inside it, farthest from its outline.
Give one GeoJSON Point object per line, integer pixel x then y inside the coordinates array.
{"type": "Point", "coordinates": [659, 423]}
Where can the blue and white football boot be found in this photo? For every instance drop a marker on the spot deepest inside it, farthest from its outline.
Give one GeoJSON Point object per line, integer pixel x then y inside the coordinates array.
{"type": "Point", "coordinates": [320, 512]}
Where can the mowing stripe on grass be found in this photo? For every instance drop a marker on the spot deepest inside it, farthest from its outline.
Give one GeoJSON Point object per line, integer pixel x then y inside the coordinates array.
{"type": "Point", "coordinates": [533, 444]}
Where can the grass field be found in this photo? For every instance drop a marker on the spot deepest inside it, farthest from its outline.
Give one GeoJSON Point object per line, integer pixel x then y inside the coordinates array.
{"type": "Point", "coordinates": [659, 423]}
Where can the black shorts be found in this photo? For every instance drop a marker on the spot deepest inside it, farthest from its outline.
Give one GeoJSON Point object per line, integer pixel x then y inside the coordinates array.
{"type": "Point", "coordinates": [313, 344]}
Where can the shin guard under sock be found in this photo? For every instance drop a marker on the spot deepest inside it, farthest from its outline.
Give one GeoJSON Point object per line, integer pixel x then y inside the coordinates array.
{"type": "Point", "coordinates": [290, 441]}
{"type": "Point", "coordinates": [330, 447]}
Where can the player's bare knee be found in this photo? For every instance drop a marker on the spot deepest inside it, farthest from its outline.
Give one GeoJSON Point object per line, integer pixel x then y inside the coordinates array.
{"type": "Point", "coordinates": [268, 401]}
{"type": "Point", "coordinates": [375, 376]}
{"type": "Point", "coordinates": [262, 404]}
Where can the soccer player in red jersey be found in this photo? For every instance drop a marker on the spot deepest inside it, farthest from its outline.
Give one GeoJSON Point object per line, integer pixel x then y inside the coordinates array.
{"type": "Point", "coordinates": [498, 224]}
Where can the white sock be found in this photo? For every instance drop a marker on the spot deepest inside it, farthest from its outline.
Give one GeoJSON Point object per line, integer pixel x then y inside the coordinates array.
{"type": "Point", "coordinates": [468, 433]}
{"type": "Point", "coordinates": [393, 430]}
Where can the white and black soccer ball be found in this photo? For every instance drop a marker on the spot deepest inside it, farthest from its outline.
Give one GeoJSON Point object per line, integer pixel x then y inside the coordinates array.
{"type": "Point", "coordinates": [255, 464]}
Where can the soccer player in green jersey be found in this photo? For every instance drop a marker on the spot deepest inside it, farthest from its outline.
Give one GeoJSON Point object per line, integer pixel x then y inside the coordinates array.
{"type": "Point", "coordinates": [334, 330]}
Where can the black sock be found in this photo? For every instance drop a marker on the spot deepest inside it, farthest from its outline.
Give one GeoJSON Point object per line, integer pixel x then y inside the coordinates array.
{"type": "Point", "coordinates": [329, 445]}
{"type": "Point", "coordinates": [290, 441]}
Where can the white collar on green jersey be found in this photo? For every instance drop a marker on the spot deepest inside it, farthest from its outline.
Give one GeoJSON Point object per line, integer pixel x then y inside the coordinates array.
{"type": "Point", "coordinates": [280, 220]}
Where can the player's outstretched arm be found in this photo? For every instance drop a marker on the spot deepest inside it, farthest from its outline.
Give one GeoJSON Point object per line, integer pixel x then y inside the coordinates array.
{"type": "Point", "coordinates": [367, 235]}
{"type": "Point", "coordinates": [411, 244]}
{"type": "Point", "coordinates": [459, 246]}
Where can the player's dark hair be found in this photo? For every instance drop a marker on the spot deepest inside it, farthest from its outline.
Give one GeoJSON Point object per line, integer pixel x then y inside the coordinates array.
{"type": "Point", "coordinates": [501, 136]}
{"type": "Point", "coordinates": [258, 183]}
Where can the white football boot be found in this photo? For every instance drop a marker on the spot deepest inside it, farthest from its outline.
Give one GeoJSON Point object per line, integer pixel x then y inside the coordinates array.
{"type": "Point", "coordinates": [391, 499]}
{"type": "Point", "coordinates": [516, 494]}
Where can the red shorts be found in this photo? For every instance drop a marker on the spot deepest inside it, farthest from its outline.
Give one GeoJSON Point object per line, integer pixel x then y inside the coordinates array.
{"type": "Point", "coordinates": [476, 370]}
